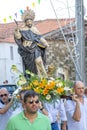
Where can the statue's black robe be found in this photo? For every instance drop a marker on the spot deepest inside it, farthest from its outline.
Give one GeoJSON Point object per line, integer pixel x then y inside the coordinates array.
{"type": "Point", "coordinates": [29, 54]}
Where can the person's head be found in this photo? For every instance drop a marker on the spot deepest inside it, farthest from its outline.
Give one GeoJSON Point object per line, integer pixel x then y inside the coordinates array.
{"type": "Point", "coordinates": [31, 101]}
{"type": "Point", "coordinates": [21, 94]}
{"type": "Point", "coordinates": [21, 97]}
{"type": "Point", "coordinates": [79, 88]}
{"type": "Point", "coordinates": [28, 17]}
{"type": "Point", "coordinates": [85, 91]}
{"type": "Point", "coordinates": [4, 95]}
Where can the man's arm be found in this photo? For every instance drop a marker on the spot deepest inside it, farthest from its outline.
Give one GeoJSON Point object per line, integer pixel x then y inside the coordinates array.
{"type": "Point", "coordinates": [64, 125]}
{"type": "Point", "coordinates": [5, 109]}
{"type": "Point", "coordinates": [42, 109]}
{"type": "Point", "coordinates": [77, 112]}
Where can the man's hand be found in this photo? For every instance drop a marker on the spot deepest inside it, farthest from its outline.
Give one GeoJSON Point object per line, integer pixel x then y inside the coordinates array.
{"type": "Point", "coordinates": [75, 98]}
{"type": "Point", "coordinates": [12, 99]}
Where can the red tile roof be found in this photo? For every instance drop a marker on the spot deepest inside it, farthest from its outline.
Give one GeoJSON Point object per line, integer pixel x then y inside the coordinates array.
{"type": "Point", "coordinates": [44, 26]}
{"type": "Point", "coordinates": [49, 25]}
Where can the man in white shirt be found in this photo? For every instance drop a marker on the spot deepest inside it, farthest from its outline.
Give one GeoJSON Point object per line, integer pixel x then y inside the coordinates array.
{"type": "Point", "coordinates": [76, 109]}
{"type": "Point", "coordinates": [53, 109]}
{"type": "Point", "coordinates": [5, 108]}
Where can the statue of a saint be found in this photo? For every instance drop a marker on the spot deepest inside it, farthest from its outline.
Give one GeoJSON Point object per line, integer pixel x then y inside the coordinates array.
{"type": "Point", "coordinates": [31, 45]}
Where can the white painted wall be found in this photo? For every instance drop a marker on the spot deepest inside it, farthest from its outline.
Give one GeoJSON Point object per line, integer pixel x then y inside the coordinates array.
{"type": "Point", "coordinates": [9, 56]}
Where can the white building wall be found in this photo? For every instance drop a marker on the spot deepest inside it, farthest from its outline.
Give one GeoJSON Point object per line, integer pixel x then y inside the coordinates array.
{"type": "Point", "coordinates": [9, 56]}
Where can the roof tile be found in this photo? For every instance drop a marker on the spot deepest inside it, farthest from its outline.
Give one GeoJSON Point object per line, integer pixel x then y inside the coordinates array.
{"type": "Point", "coordinates": [44, 26]}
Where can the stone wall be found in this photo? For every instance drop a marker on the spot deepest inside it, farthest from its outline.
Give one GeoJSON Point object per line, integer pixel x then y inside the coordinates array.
{"type": "Point", "coordinates": [58, 56]}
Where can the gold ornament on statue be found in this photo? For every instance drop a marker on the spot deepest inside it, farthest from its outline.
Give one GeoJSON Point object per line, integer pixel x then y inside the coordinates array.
{"type": "Point", "coordinates": [51, 70]}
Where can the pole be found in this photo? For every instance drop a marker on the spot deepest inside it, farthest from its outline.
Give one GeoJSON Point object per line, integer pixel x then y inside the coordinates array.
{"type": "Point", "coordinates": [80, 39]}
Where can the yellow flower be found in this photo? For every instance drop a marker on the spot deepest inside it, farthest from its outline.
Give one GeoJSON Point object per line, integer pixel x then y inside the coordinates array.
{"type": "Point", "coordinates": [51, 85]}
{"type": "Point", "coordinates": [37, 90]}
{"type": "Point", "coordinates": [60, 90]}
{"type": "Point", "coordinates": [45, 91]}
{"type": "Point", "coordinates": [35, 83]}
{"type": "Point", "coordinates": [41, 85]}
{"type": "Point", "coordinates": [49, 89]}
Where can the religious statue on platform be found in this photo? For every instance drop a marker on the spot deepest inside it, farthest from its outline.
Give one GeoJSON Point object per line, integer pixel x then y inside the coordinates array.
{"type": "Point", "coordinates": [31, 45]}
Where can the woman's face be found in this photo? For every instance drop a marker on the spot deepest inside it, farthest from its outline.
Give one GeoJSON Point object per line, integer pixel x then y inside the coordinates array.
{"type": "Point", "coordinates": [29, 23]}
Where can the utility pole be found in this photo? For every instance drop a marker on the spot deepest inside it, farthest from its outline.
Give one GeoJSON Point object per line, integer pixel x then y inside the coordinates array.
{"type": "Point", "coordinates": [80, 40]}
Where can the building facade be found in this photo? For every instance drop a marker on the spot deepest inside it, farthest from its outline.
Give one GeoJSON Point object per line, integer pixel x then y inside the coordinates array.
{"type": "Point", "coordinates": [8, 57]}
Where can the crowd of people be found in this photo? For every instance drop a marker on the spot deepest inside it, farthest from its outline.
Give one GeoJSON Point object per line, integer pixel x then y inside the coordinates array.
{"type": "Point", "coordinates": [31, 113]}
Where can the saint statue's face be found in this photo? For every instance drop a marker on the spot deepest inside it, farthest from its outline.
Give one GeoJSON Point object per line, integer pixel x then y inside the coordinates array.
{"type": "Point", "coordinates": [29, 23]}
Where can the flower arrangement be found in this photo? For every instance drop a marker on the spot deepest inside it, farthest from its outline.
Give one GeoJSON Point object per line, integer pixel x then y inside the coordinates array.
{"type": "Point", "coordinates": [48, 89]}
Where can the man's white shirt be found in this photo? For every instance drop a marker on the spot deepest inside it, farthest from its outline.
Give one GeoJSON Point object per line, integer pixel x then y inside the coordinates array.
{"type": "Point", "coordinates": [70, 108]}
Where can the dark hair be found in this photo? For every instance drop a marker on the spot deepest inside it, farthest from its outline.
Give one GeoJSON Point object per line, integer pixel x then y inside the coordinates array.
{"type": "Point", "coordinates": [21, 92]}
{"type": "Point", "coordinates": [30, 93]}
{"type": "Point", "coordinates": [85, 91]}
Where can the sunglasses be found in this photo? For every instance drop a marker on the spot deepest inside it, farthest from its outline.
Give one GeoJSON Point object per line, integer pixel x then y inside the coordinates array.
{"type": "Point", "coordinates": [2, 95]}
{"type": "Point", "coordinates": [32, 101]}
